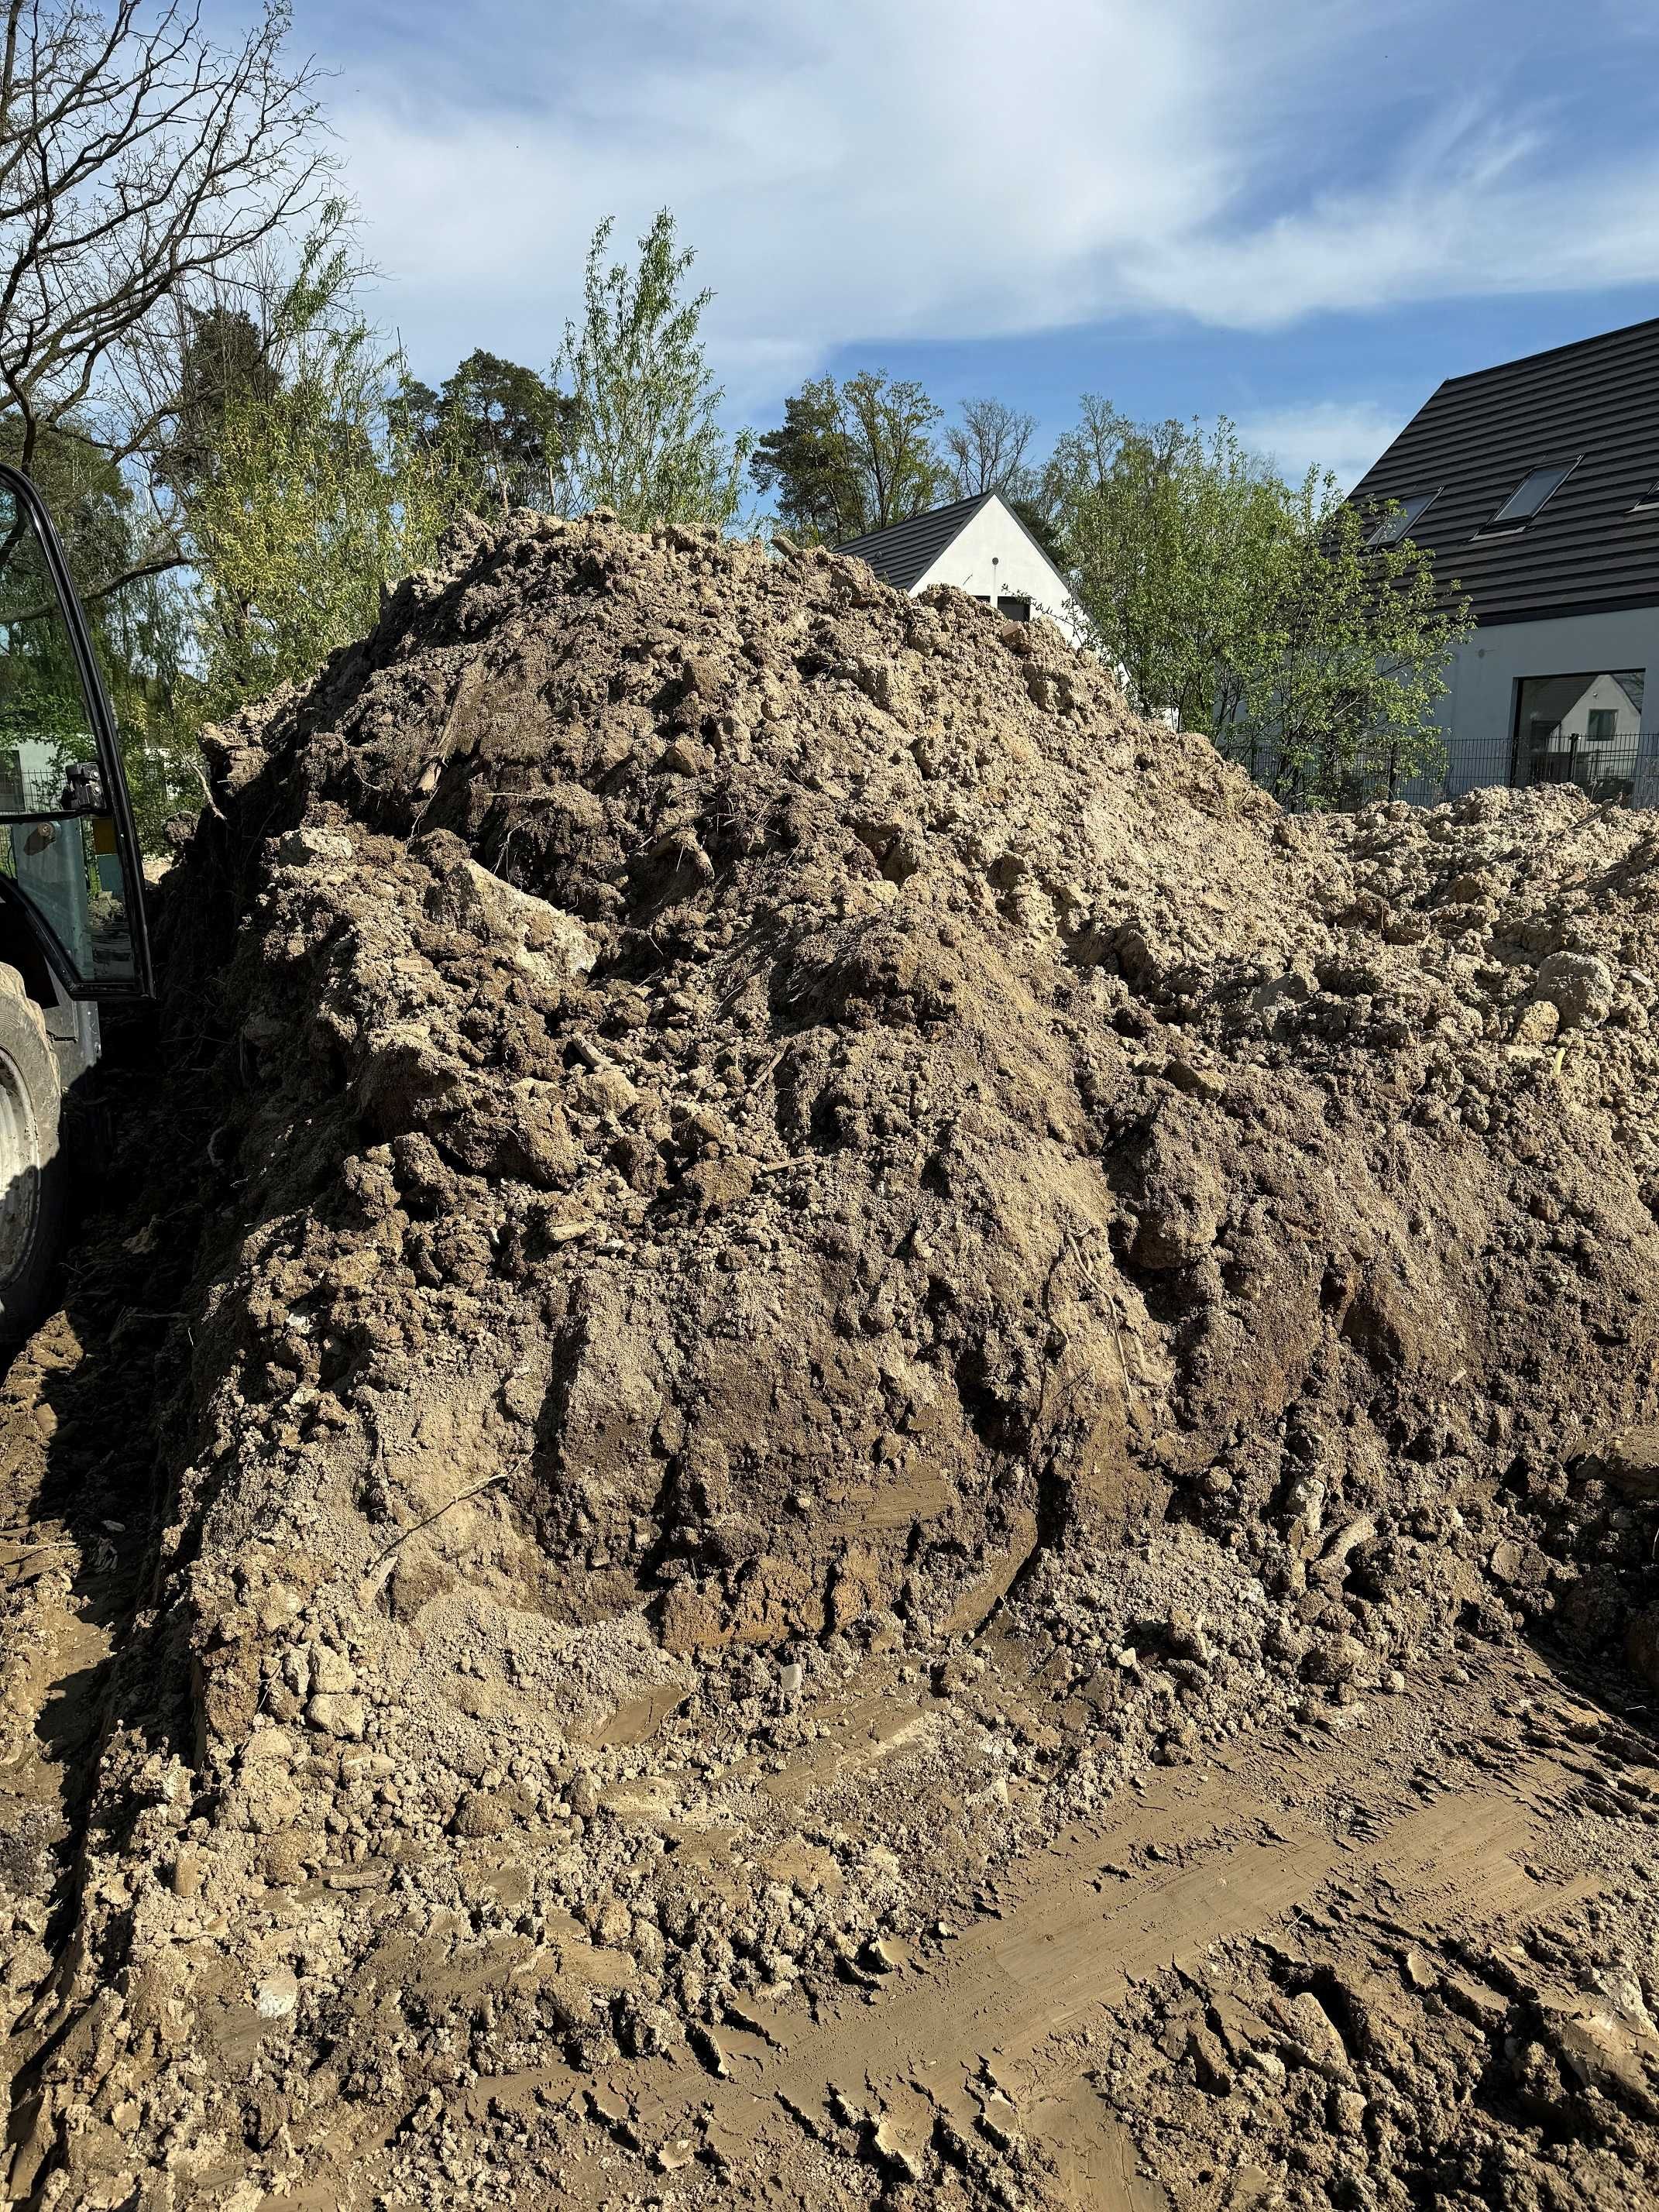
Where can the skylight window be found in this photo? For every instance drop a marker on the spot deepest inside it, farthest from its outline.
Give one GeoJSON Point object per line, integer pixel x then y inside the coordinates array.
{"type": "Point", "coordinates": [1393, 527]}
{"type": "Point", "coordinates": [1529, 494]}
{"type": "Point", "coordinates": [1649, 499]}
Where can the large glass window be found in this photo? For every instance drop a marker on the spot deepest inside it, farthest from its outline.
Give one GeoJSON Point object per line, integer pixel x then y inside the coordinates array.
{"type": "Point", "coordinates": [58, 847]}
{"type": "Point", "coordinates": [1585, 730]}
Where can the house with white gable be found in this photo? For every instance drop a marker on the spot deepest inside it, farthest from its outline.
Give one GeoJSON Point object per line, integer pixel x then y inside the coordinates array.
{"type": "Point", "coordinates": [979, 546]}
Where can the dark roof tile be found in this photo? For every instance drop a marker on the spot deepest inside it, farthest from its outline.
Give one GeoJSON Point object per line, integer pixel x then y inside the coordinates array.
{"type": "Point", "coordinates": [904, 553]}
{"type": "Point", "coordinates": [1479, 434]}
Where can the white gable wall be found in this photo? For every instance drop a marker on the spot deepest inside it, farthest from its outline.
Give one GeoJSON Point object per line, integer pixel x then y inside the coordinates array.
{"type": "Point", "coordinates": [994, 557]}
{"type": "Point", "coordinates": [1606, 692]}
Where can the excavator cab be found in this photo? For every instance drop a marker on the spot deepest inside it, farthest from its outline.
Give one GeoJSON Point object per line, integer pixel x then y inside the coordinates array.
{"type": "Point", "coordinates": [72, 932]}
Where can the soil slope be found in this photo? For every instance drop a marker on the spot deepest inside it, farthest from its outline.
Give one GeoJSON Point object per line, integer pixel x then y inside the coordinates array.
{"type": "Point", "coordinates": [803, 1322]}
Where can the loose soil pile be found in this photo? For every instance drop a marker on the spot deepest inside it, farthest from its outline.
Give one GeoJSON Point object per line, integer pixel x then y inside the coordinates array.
{"type": "Point", "coordinates": [808, 1319]}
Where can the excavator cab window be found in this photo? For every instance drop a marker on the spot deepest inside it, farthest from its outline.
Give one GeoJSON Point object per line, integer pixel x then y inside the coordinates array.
{"type": "Point", "coordinates": [68, 850]}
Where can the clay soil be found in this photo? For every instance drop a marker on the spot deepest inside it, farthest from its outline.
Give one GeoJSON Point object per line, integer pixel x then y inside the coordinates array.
{"type": "Point", "coordinates": [832, 1437]}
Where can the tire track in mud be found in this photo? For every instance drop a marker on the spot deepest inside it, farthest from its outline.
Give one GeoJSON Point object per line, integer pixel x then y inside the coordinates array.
{"type": "Point", "coordinates": [998, 2023]}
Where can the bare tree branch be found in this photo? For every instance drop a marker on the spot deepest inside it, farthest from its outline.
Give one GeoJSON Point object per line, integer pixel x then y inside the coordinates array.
{"type": "Point", "coordinates": [142, 168]}
{"type": "Point", "coordinates": [986, 448]}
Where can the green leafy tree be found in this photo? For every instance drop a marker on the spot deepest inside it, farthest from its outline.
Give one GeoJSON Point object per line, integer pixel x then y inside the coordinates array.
{"type": "Point", "coordinates": [184, 621]}
{"type": "Point", "coordinates": [140, 627]}
{"type": "Point", "coordinates": [809, 466]}
{"type": "Point", "coordinates": [1165, 529]}
{"type": "Point", "coordinates": [143, 164]}
{"type": "Point", "coordinates": [1252, 609]}
{"type": "Point", "coordinates": [853, 457]}
{"type": "Point", "coordinates": [510, 426]}
{"type": "Point", "coordinates": [144, 632]}
{"type": "Point", "coordinates": [224, 354]}
{"type": "Point", "coordinates": [892, 423]}
{"type": "Point", "coordinates": [314, 496]}
{"type": "Point", "coordinates": [642, 409]}
{"type": "Point", "coordinates": [1334, 691]}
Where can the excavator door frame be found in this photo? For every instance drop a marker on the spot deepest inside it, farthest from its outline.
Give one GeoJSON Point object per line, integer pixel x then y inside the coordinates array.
{"type": "Point", "coordinates": [93, 812]}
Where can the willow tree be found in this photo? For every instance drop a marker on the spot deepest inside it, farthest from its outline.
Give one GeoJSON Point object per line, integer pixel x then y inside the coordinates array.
{"type": "Point", "coordinates": [311, 491]}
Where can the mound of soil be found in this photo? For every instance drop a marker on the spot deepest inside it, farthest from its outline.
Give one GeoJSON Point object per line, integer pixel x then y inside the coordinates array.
{"type": "Point", "coordinates": [806, 1315]}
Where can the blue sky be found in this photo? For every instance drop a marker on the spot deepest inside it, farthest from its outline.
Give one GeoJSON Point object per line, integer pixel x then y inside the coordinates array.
{"type": "Point", "coordinates": [1302, 216]}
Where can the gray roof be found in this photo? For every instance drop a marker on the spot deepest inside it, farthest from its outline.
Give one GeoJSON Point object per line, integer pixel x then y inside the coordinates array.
{"type": "Point", "coordinates": [905, 552]}
{"type": "Point", "coordinates": [1595, 401]}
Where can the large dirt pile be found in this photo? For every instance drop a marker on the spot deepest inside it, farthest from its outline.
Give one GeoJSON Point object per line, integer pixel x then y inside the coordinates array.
{"type": "Point", "coordinates": [792, 1248]}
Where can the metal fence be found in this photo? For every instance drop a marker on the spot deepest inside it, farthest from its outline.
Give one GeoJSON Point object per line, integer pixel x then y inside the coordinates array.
{"type": "Point", "coordinates": [1618, 771]}
{"type": "Point", "coordinates": [33, 789]}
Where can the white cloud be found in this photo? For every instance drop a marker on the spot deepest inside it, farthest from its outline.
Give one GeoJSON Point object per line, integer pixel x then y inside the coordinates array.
{"type": "Point", "coordinates": [1343, 436]}
{"type": "Point", "coordinates": [946, 167]}
{"type": "Point", "coordinates": [870, 172]}
{"type": "Point", "coordinates": [1417, 238]}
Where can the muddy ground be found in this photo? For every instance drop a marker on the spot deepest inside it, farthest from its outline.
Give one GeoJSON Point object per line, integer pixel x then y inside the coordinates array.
{"type": "Point", "coordinates": [832, 1436]}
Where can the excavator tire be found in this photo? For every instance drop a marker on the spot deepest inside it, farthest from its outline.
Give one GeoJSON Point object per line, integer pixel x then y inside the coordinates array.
{"type": "Point", "coordinates": [31, 1168]}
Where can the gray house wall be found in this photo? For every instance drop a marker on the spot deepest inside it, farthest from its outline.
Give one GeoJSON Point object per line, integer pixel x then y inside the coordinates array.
{"type": "Point", "coordinates": [1478, 714]}
{"type": "Point", "coordinates": [1545, 588]}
